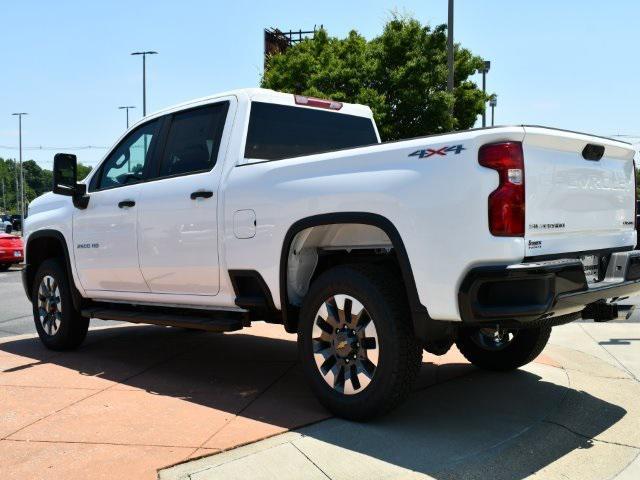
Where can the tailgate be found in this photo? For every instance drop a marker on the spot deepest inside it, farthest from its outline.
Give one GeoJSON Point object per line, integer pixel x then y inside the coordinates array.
{"type": "Point", "coordinates": [574, 204]}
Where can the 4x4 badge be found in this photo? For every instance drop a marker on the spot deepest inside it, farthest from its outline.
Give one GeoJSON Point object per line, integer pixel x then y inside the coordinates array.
{"type": "Point", "coordinates": [429, 152]}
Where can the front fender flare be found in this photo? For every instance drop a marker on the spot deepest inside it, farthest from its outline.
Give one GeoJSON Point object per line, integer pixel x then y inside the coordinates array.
{"type": "Point", "coordinates": [29, 270]}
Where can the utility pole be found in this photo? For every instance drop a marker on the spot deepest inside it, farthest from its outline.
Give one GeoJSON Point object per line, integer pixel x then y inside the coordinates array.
{"type": "Point", "coordinates": [144, 78]}
{"type": "Point", "coordinates": [127, 109]}
{"type": "Point", "coordinates": [19, 115]}
{"type": "Point", "coordinates": [450, 63]}
{"type": "Point", "coordinates": [485, 70]}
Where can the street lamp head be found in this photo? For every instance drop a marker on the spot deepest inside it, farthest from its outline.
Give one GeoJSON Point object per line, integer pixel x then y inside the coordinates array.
{"type": "Point", "coordinates": [493, 100]}
{"type": "Point", "coordinates": [20, 113]}
{"type": "Point", "coordinates": [487, 66]}
{"type": "Point", "coordinates": [150, 52]}
{"type": "Point", "coordinates": [126, 106]}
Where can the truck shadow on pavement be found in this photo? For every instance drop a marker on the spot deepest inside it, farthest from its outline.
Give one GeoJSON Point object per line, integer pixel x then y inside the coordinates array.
{"type": "Point", "coordinates": [619, 341]}
{"type": "Point", "coordinates": [481, 424]}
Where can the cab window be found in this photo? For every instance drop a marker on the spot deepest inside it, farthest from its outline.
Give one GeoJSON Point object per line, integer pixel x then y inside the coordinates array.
{"type": "Point", "coordinates": [126, 164]}
{"type": "Point", "coordinates": [193, 140]}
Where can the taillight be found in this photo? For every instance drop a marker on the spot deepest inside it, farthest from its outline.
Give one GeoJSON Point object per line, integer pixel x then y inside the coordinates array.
{"type": "Point", "coordinates": [317, 102]}
{"type": "Point", "coordinates": [506, 203]}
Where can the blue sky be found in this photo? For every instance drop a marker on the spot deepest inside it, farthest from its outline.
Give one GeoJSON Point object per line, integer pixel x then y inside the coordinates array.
{"type": "Point", "coordinates": [569, 64]}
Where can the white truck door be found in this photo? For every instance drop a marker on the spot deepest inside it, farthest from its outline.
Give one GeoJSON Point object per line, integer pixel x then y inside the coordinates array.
{"type": "Point", "coordinates": [105, 233]}
{"type": "Point", "coordinates": [177, 216]}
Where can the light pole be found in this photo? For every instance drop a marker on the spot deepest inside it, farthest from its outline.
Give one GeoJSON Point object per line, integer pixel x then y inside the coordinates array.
{"type": "Point", "coordinates": [144, 78]}
{"type": "Point", "coordinates": [485, 70]}
{"type": "Point", "coordinates": [127, 109]}
{"type": "Point", "coordinates": [493, 102]}
{"type": "Point", "coordinates": [17, 190]}
{"type": "Point", "coordinates": [19, 115]}
{"type": "Point", "coordinates": [450, 64]}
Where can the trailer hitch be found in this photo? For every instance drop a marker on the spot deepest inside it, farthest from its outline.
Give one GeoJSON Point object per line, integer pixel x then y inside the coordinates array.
{"type": "Point", "coordinates": [604, 312]}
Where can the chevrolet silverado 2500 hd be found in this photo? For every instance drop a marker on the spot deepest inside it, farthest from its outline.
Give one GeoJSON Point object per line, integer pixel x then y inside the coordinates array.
{"type": "Point", "coordinates": [257, 205]}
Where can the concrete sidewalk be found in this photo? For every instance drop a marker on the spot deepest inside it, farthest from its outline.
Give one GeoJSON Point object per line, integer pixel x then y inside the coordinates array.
{"type": "Point", "coordinates": [577, 418]}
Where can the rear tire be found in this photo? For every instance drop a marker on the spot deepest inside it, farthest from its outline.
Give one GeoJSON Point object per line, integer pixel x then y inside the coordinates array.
{"type": "Point", "coordinates": [60, 326]}
{"type": "Point", "coordinates": [523, 348]}
{"type": "Point", "coordinates": [365, 343]}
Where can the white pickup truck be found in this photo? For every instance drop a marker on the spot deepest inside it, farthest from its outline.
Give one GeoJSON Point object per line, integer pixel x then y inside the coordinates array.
{"type": "Point", "coordinates": [257, 205]}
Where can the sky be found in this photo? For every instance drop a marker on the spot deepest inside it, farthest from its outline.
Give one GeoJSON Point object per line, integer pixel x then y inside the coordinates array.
{"type": "Point", "coordinates": [568, 64]}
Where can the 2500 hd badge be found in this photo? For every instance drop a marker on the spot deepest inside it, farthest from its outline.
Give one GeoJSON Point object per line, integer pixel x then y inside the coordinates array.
{"type": "Point", "coordinates": [88, 245]}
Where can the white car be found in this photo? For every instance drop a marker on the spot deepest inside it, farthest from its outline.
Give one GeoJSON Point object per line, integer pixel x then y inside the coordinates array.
{"type": "Point", "coordinates": [288, 209]}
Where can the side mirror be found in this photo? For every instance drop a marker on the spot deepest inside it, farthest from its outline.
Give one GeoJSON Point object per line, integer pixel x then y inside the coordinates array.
{"type": "Point", "coordinates": [65, 174]}
{"type": "Point", "coordinates": [65, 179]}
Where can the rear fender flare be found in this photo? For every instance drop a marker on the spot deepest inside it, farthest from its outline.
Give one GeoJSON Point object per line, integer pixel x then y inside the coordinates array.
{"type": "Point", "coordinates": [289, 313]}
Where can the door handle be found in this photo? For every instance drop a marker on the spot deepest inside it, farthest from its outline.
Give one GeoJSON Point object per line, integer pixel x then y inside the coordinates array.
{"type": "Point", "coordinates": [201, 194]}
{"type": "Point", "coordinates": [126, 204]}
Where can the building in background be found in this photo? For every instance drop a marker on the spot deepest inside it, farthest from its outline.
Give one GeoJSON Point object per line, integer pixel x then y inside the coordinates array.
{"type": "Point", "coordinates": [277, 41]}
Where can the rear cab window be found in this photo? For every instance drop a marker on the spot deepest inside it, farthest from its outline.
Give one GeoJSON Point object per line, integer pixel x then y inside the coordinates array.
{"type": "Point", "coordinates": [282, 131]}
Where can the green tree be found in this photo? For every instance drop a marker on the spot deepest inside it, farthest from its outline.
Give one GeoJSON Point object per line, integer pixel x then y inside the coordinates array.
{"type": "Point", "coordinates": [401, 75]}
{"type": "Point", "coordinates": [83, 171]}
{"type": "Point", "coordinates": [37, 181]}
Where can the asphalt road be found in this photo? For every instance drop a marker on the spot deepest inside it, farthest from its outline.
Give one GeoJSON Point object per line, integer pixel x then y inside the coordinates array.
{"type": "Point", "coordinates": [15, 309]}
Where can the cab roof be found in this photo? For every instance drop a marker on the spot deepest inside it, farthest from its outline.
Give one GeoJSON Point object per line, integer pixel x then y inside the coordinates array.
{"type": "Point", "coordinates": [267, 96]}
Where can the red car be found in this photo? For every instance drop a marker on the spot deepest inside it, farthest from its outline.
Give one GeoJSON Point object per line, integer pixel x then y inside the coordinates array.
{"type": "Point", "coordinates": [11, 251]}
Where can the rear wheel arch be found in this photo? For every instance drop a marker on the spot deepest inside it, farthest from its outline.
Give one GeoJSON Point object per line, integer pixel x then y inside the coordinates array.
{"type": "Point", "coordinates": [41, 246]}
{"type": "Point", "coordinates": [290, 311]}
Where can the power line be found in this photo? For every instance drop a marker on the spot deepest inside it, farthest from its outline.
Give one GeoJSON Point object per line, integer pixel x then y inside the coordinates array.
{"type": "Point", "coordinates": [41, 147]}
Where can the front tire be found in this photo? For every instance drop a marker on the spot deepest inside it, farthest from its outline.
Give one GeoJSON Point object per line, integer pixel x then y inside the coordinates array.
{"type": "Point", "coordinates": [502, 350]}
{"type": "Point", "coordinates": [356, 341]}
{"type": "Point", "coordinates": [4, 267]}
{"type": "Point", "coordinates": [60, 326]}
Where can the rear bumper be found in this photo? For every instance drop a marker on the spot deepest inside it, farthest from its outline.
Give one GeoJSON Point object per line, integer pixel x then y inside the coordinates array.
{"type": "Point", "coordinates": [531, 291]}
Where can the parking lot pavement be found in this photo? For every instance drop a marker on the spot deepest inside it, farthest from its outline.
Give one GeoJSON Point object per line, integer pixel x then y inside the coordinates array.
{"type": "Point", "coordinates": [136, 399]}
{"type": "Point", "coordinates": [15, 309]}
